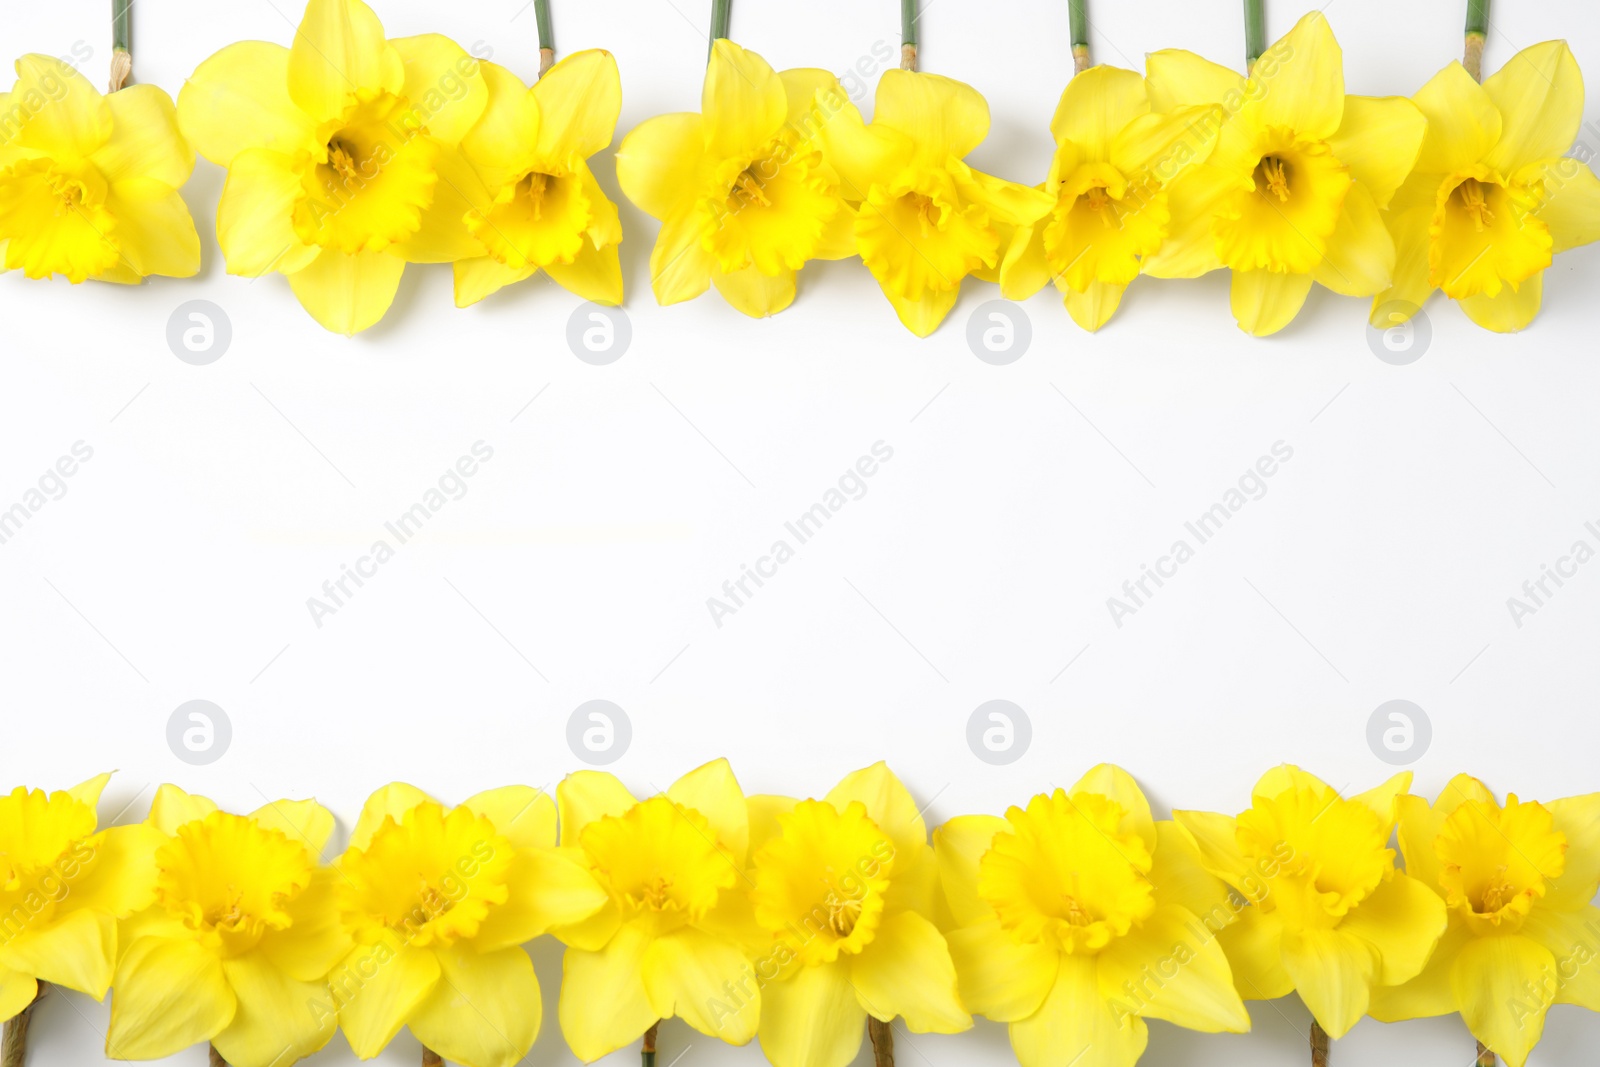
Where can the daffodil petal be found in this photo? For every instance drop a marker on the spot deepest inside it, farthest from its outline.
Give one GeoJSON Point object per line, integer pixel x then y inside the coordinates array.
{"type": "Point", "coordinates": [1193, 200]}
{"type": "Point", "coordinates": [1001, 978]}
{"type": "Point", "coordinates": [1570, 935]}
{"type": "Point", "coordinates": [444, 85]}
{"type": "Point", "coordinates": [71, 120]}
{"type": "Point", "coordinates": [277, 1019]}
{"type": "Point", "coordinates": [1492, 979]}
{"type": "Point", "coordinates": [688, 973]}
{"type": "Point", "coordinates": [348, 293]}
{"type": "Point", "coordinates": [595, 274]}
{"type": "Point", "coordinates": [753, 293]}
{"type": "Point", "coordinates": [484, 1010]}
{"type": "Point", "coordinates": [861, 154]}
{"type": "Point", "coordinates": [255, 224]}
{"type": "Point", "coordinates": [77, 950]}
{"type": "Point", "coordinates": [171, 994]}
{"type": "Point", "coordinates": [315, 940]}
{"type": "Point", "coordinates": [1199, 996]}
{"type": "Point", "coordinates": [1219, 849]}
{"type": "Point", "coordinates": [1333, 973]}
{"type": "Point", "coordinates": [812, 1018]}
{"type": "Point", "coordinates": [501, 145]}
{"type": "Point", "coordinates": [155, 232]}
{"type": "Point", "coordinates": [390, 802]}
{"type": "Point", "coordinates": [401, 978]}
{"type": "Point", "coordinates": [1112, 781]}
{"type": "Point", "coordinates": [1178, 78]}
{"type": "Point", "coordinates": [1578, 818]}
{"type": "Point", "coordinates": [304, 822]}
{"type": "Point", "coordinates": [657, 161]}
{"type": "Point", "coordinates": [1253, 945]}
{"type": "Point", "coordinates": [17, 991]}
{"type": "Point", "coordinates": [172, 807]}
{"type": "Point", "coordinates": [548, 888]}
{"type": "Point", "coordinates": [1007, 202]}
{"type": "Point", "coordinates": [1164, 146]}
{"type": "Point", "coordinates": [743, 103]}
{"type": "Point", "coordinates": [1402, 919]}
{"type": "Point", "coordinates": [713, 791]}
{"type": "Point", "coordinates": [119, 877]}
{"type": "Point", "coordinates": [339, 51]}
{"type": "Point", "coordinates": [144, 141]}
{"type": "Point", "coordinates": [579, 101]}
{"type": "Point", "coordinates": [1378, 139]}
{"type": "Point", "coordinates": [1299, 82]}
{"type": "Point", "coordinates": [958, 846]}
{"type": "Point", "coordinates": [239, 99]}
{"type": "Point", "coordinates": [906, 970]}
{"type": "Point", "coordinates": [942, 117]}
{"type": "Point", "coordinates": [521, 814]}
{"type": "Point", "coordinates": [1360, 255]}
{"type": "Point", "coordinates": [1410, 286]}
{"type": "Point", "coordinates": [1075, 1017]}
{"type": "Point", "coordinates": [1265, 302]}
{"type": "Point", "coordinates": [1568, 201]}
{"type": "Point", "coordinates": [1430, 992]}
{"type": "Point", "coordinates": [680, 266]}
{"type": "Point", "coordinates": [922, 315]}
{"type": "Point", "coordinates": [1096, 107]}
{"type": "Point", "coordinates": [88, 792]}
{"type": "Point", "coordinates": [603, 1001]}
{"type": "Point", "coordinates": [1180, 877]}
{"type": "Point", "coordinates": [1463, 122]}
{"type": "Point", "coordinates": [1539, 94]}
{"type": "Point", "coordinates": [888, 803]}
{"type": "Point", "coordinates": [485, 276]}
{"type": "Point", "coordinates": [1023, 269]}
{"type": "Point", "coordinates": [1509, 310]}
{"type": "Point", "coordinates": [584, 796]}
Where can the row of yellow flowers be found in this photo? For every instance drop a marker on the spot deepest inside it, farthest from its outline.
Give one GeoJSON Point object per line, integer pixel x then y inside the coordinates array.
{"type": "Point", "coordinates": [350, 155]}
{"type": "Point", "coordinates": [804, 923]}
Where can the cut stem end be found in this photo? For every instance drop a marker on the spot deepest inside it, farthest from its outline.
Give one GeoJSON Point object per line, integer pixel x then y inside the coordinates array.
{"type": "Point", "coordinates": [1319, 1045]}
{"type": "Point", "coordinates": [1485, 1057]}
{"type": "Point", "coordinates": [1472, 56]}
{"type": "Point", "coordinates": [647, 1047]}
{"type": "Point", "coordinates": [882, 1035]}
{"type": "Point", "coordinates": [431, 1058]}
{"type": "Point", "coordinates": [14, 1043]}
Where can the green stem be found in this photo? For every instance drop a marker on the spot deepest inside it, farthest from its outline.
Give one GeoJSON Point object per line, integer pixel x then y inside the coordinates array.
{"type": "Point", "coordinates": [1078, 12]}
{"type": "Point", "coordinates": [721, 15]}
{"type": "Point", "coordinates": [1255, 32]}
{"type": "Point", "coordinates": [908, 34]}
{"type": "Point", "coordinates": [547, 35]}
{"type": "Point", "coordinates": [1477, 30]}
{"type": "Point", "coordinates": [121, 43]}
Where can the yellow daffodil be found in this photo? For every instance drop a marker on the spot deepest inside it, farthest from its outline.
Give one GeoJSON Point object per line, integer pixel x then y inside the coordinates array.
{"type": "Point", "coordinates": [672, 938]}
{"type": "Point", "coordinates": [335, 149]}
{"type": "Point", "coordinates": [63, 886]}
{"type": "Point", "coordinates": [439, 902]}
{"type": "Point", "coordinates": [1293, 191]}
{"type": "Point", "coordinates": [1518, 881]}
{"type": "Point", "coordinates": [844, 896]}
{"type": "Point", "coordinates": [89, 183]}
{"type": "Point", "coordinates": [1330, 916]}
{"type": "Point", "coordinates": [237, 945]}
{"type": "Point", "coordinates": [1077, 918]}
{"type": "Point", "coordinates": [1114, 159]}
{"type": "Point", "coordinates": [743, 191]}
{"type": "Point", "coordinates": [924, 220]}
{"type": "Point", "coordinates": [530, 201]}
{"type": "Point", "coordinates": [1493, 196]}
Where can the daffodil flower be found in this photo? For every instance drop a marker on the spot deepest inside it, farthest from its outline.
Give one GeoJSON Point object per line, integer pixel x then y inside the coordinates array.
{"type": "Point", "coordinates": [844, 896]}
{"type": "Point", "coordinates": [743, 190]}
{"type": "Point", "coordinates": [1293, 191]}
{"type": "Point", "coordinates": [1331, 917]}
{"type": "Point", "coordinates": [1079, 917]}
{"type": "Point", "coordinates": [924, 220]}
{"type": "Point", "coordinates": [672, 938]}
{"type": "Point", "coordinates": [89, 183]}
{"type": "Point", "coordinates": [530, 201]}
{"type": "Point", "coordinates": [439, 902]}
{"type": "Point", "coordinates": [1493, 196]}
{"type": "Point", "coordinates": [237, 945]}
{"type": "Point", "coordinates": [1113, 162]}
{"type": "Point", "coordinates": [336, 150]}
{"type": "Point", "coordinates": [1518, 881]}
{"type": "Point", "coordinates": [63, 886]}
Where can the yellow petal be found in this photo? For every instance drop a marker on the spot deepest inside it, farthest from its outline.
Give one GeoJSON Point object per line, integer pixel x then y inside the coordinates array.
{"type": "Point", "coordinates": [1463, 123]}
{"type": "Point", "coordinates": [958, 846]}
{"type": "Point", "coordinates": [1333, 973]}
{"type": "Point", "coordinates": [76, 950]}
{"type": "Point", "coordinates": [444, 85]}
{"type": "Point", "coordinates": [584, 796]}
{"type": "Point", "coordinates": [1112, 781]}
{"type": "Point", "coordinates": [401, 979]}
{"type": "Point", "coordinates": [1298, 82]}
{"type": "Point", "coordinates": [1096, 106]}
{"type": "Point", "coordinates": [521, 814]}
{"type": "Point", "coordinates": [171, 994]}
{"type": "Point", "coordinates": [1214, 834]}
{"type": "Point", "coordinates": [1286, 776]}
{"type": "Point", "coordinates": [1378, 139]}
{"type": "Point", "coordinates": [713, 791]}
{"type": "Point", "coordinates": [923, 314]}
{"type": "Point", "coordinates": [1265, 302]}
{"type": "Point", "coordinates": [17, 991]}
{"type": "Point", "coordinates": [1569, 935]}
{"type": "Point", "coordinates": [485, 276]}
{"type": "Point", "coordinates": [579, 101]}
{"type": "Point", "coordinates": [812, 1018]}
{"type": "Point", "coordinates": [753, 293]}
{"type": "Point", "coordinates": [1578, 818]}
{"type": "Point", "coordinates": [657, 161]}
{"type": "Point", "coordinates": [255, 224]}
{"type": "Point", "coordinates": [1360, 255]}
{"type": "Point", "coordinates": [1568, 201]}
{"type": "Point", "coordinates": [485, 1009]}
{"type": "Point", "coordinates": [277, 1019]}
{"type": "Point", "coordinates": [1177, 78]}
{"type": "Point", "coordinates": [1001, 978]}
{"type": "Point", "coordinates": [1076, 1016]}
{"type": "Point", "coordinates": [888, 803]}
{"type": "Point", "coordinates": [119, 878]}
{"type": "Point", "coordinates": [501, 145]}
{"type": "Point", "coordinates": [1429, 993]}
{"type": "Point", "coordinates": [1164, 146]}
{"type": "Point", "coordinates": [1180, 877]}
{"type": "Point", "coordinates": [348, 293]}
{"type": "Point", "coordinates": [1498, 983]}
{"type": "Point", "coordinates": [239, 99]}
{"type": "Point", "coordinates": [1024, 270]}
{"type": "Point", "coordinates": [594, 933]}
{"type": "Point", "coordinates": [172, 807]}
{"type": "Point", "coordinates": [315, 941]}
{"type": "Point", "coordinates": [906, 971]}
{"type": "Point", "coordinates": [689, 973]}
{"type": "Point", "coordinates": [390, 802]}
{"type": "Point", "coordinates": [743, 102]}
{"type": "Point", "coordinates": [595, 274]}
{"type": "Point", "coordinates": [1253, 945]}
{"type": "Point", "coordinates": [1402, 920]}
{"type": "Point", "coordinates": [144, 141]}
{"type": "Point", "coordinates": [1509, 310]}
{"type": "Point", "coordinates": [764, 812]}
{"type": "Point", "coordinates": [303, 821]}
{"type": "Point", "coordinates": [941, 116]}
{"type": "Point", "coordinates": [548, 888]}
{"type": "Point", "coordinates": [1198, 996]}
{"type": "Point", "coordinates": [680, 266]}
{"type": "Point", "coordinates": [155, 233]}
{"type": "Point", "coordinates": [603, 1002]}
{"type": "Point", "coordinates": [88, 792]}
{"type": "Point", "coordinates": [69, 120]}
{"type": "Point", "coordinates": [339, 51]}
{"type": "Point", "coordinates": [1539, 94]}
{"type": "Point", "coordinates": [1007, 202]}
{"type": "Point", "coordinates": [800, 88]}
{"type": "Point", "coordinates": [861, 154]}
{"type": "Point", "coordinates": [1408, 225]}
{"type": "Point", "coordinates": [1193, 200]}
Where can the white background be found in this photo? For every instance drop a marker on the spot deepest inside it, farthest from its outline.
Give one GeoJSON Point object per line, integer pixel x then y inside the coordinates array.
{"type": "Point", "coordinates": [977, 566]}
